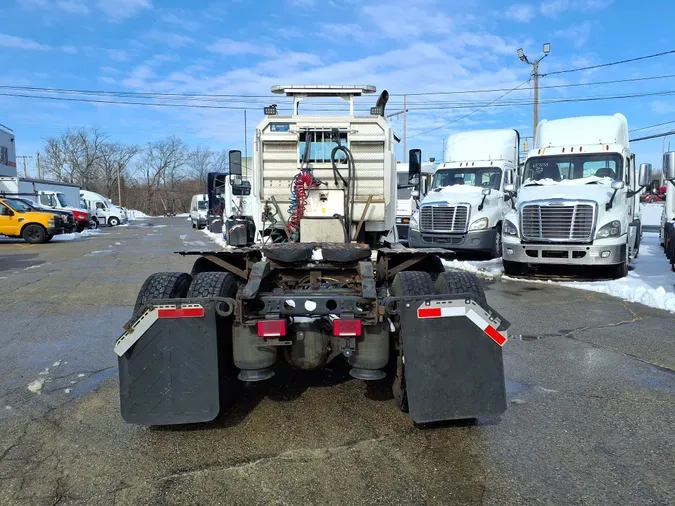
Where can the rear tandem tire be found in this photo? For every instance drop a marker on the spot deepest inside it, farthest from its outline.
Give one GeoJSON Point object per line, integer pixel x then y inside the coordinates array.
{"type": "Point", "coordinates": [407, 283]}
{"type": "Point", "coordinates": [220, 284]}
{"type": "Point", "coordinates": [163, 285]}
{"type": "Point", "coordinates": [460, 282]}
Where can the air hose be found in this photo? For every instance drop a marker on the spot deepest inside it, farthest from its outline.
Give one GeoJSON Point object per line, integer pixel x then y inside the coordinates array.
{"type": "Point", "coordinates": [349, 183]}
{"type": "Point", "coordinates": [303, 181]}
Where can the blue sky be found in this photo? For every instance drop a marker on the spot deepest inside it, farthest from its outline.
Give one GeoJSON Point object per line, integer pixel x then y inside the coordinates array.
{"type": "Point", "coordinates": [404, 46]}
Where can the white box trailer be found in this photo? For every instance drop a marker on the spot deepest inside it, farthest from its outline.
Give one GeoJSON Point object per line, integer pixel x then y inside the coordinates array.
{"type": "Point", "coordinates": [7, 153]}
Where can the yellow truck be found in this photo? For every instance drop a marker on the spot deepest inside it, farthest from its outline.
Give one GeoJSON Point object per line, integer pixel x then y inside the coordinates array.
{"type": "Point", "coordinates": [17, 219]}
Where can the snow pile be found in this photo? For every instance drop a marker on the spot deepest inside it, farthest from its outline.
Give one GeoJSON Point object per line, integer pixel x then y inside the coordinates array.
{"type": "Point", "coordinates": [183, 215]}
{"type": "Point", "coordinates": [217, 238]}
{"type": "Point", "coordinates": [77, 235]}
{"type": "Point", "coordinates": [36, 386]}
{"type": "Point", "coordinates": [134, 214]}
{"type": "Point", "coordinates": [651, 214]}
{"type": "Point", "coordinates": [650, 282]}
{"type": "Point", "coordinates": [487, 269]}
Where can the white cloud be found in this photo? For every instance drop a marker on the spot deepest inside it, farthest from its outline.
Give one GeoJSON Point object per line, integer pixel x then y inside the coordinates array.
{"type": "Point", "coordinates": [340, 31]}
{"type": "Point", "coordinates": [170, 39]}
{"type": "Point", "coordinates": [552, 8]}
{"type": "Point", "coordinates": [302, 3]}
{"type": "Point", "coordinates": [118, 10]}
{"type": "Point", "coordinates": [412, 19]}
{"type": "Point", "coordinates": [68, 49]}
{"type": "Point", "coordinates": [12, 42]}
{"type": "Point", "coordinates": [520, 12]}
{"type": "Point", "coordinates": [181, 18]}
{"type": "Point", "coordinates": [577, 34]}
{"type": "Point", "coordinates": [235, 47]}
{"type": "Point", "coordinates": [73, 6]}
{"type": "Point", "coordinates": [662, 106]}
{"type": "Point", "coordinates": [117, 54]}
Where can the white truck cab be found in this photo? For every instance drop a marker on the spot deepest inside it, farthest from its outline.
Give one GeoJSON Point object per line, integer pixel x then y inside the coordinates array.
{"type": "Point", "coordinates": [579, 200]}
{"type": "Point", "coordinates": [667, 229]}
{"type": "Point", "coordinates": [105, 212]}
{"type": "Point", "coordinates": [406, 203]}
{"type": "Point", "coordinates": [464, 207]}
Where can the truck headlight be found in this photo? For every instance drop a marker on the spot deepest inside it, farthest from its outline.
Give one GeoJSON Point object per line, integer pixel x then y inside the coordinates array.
{"type": "Point", "coordinates": [612, 229]}
{"type": "Point", "coordinates": [509, 228]}
{"type": "Point", "coordinates": [414, 225]}
{"type": "Point", "coordinates": [51, 223]}
{"type": "Point", "coordinates": [479, 224]}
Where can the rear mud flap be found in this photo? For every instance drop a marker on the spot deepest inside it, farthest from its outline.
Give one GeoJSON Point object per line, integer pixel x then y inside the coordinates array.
{"type": "Point", "coordinates": [453, 358]}
{"type": "Point", "coordinates": [168, 364]}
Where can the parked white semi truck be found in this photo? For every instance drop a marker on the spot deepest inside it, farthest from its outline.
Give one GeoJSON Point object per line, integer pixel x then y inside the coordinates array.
{"type": "Point", "coordinates": [464, 208]}
{"type": "Point", "coordinates": [667, 231]}
{"type": "Point", "coordinates": [407, 197]}
{"type": "Point", "coordinates": [578, 203]}
{"type": "Point", "coordinates": [102, 209]}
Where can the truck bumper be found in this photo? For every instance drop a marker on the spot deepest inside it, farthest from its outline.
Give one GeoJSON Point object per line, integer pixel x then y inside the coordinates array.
{"type": "Point", "coordinates": [479, 240]}
{"type": "Point", "coordinates": [563, 254]}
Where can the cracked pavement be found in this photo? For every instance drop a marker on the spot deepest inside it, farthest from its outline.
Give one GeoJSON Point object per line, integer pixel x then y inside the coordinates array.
{"type": "Point", "coordinates": [590, 382]}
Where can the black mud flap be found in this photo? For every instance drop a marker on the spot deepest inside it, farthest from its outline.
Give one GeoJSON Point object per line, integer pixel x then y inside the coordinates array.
{"type": "Point", "coordinates": [168, 364]}
{"type": "Point", "coordinates": [453, 358]}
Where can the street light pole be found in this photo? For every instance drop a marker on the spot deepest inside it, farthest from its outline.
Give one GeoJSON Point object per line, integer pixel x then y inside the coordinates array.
{"type": "Point", "coordinates": [405, 129]}
{"type": "Point", "coordinates": [535, 76]}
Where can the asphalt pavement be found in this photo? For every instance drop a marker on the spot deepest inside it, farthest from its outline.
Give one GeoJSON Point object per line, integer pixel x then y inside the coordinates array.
{"type": "Point", "coordinates": [590, 382]}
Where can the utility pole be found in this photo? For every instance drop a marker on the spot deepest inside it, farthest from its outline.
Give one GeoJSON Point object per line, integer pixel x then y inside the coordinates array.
{"type": "Point", "coordinates": [119, 184]}
{"type": "Point", "coordinates": [535, 75]}
{"type": "Point", "coordinates": [245, 146]}
{"type": "Point", "coordinates": [39, 174]}
{"type": "Point", "coordinates": [405, 128]}
{"type": "Point", "coordinates": [24, 158]}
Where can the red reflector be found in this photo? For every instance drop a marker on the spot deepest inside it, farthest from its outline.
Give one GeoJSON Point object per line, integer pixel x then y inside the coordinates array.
{"type": "Point", "coordinates": [272, 328]}
{"type": "Point", "coordinates": [347, 327]}
{"type": "Point", "coordinates": [190, 312]}
{"type": "Point", "coordinates": [495, 335]}
{"type": "Point", "coordinates": [429, 312]}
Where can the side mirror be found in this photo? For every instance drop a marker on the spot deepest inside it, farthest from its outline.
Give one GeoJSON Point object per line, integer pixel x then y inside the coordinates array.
{"type": "Point", "coordinates": [620, 185]}
{"type": "Point", "coordinates": [415, 194]}
{"type": "Point", "coordinates": [486, 191]}
{"type": "Point", "coordinates": [235, 162]}
{"type": "Point", "coordinates": [508, 179]}
{"type": "Point", "coordinates": [669, 165]}
{"type": "Point", "coordinates": [414, 164]}
{"type": "Point", "coordinates": [645, 175]}
{"type": "Point", "coordinates": [509, 188]}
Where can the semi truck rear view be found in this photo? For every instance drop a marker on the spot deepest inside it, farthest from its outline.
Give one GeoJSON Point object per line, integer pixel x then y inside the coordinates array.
{"type": "Point", "coordinates": [326, 282]}
{"type": "Point", "coordinates": [578, 203]}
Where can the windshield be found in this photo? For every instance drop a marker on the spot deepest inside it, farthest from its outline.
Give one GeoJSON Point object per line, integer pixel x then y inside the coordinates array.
{"type": "Point", "coordinates": [203, 205]}
{"type": "Point", "coordinates": [402, 179]}
{"type": "Point", "coordinates": [486, 177]}
{"type": "Point", "coordinates": [62, 199]}
{"type": "Point", "coordinates": [17, 205]}
{"type": "Point", "coordinates": [561, 168]}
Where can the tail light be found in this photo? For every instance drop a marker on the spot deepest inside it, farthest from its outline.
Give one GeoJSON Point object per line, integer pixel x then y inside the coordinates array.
{"type": "Point", "coordinates": [346, 327]}
{"type": "Point", "coordinates": [272, 328]}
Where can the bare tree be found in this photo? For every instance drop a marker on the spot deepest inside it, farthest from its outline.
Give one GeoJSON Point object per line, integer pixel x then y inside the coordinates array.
{"type": "Point", "coordinates": [201, 161]}
{"type": "Point", "coordinates": [113, 163]}
{"type": "Point", "coordinates": [161, 169]}
{"type": "Point", "coordinates": [74, 156]}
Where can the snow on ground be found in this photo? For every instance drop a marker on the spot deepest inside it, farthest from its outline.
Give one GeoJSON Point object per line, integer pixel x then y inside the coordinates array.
{"type": "Point", "coordinates": [649, 282]}
{"type": "Point", "coordinates": [217, 238]}
{"type": "Point", "coordinates": [183, 215]}
{"type": "Point", "coordinates": [651, 213]}
{"type": "Point", "coordinates": [77, 235]}
{"type": "Point", "coordinates": [133, 214]}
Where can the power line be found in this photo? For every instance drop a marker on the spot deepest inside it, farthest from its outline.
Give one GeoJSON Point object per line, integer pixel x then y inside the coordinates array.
{"type": "Point", "coordinates": [472, 112]}
{"type": "Point", "coordinates": [602, 65]}
{"type": "Point", "coordinates": [655, 136]}
{"type": "Point", "coordinates": [651, 126]}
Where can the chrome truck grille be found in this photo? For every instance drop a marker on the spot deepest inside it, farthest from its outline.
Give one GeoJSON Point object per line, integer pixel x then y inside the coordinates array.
{"type": "Point", "coordinates": [444, 218]}
{"type": "Point", "coordinates": [558, 221]}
